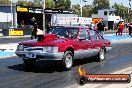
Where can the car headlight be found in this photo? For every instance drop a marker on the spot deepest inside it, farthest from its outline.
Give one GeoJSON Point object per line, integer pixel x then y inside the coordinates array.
{"type": "Point", "coordinates": [20, 48]}
{"type": "Point", "coordinates": [50, 49]}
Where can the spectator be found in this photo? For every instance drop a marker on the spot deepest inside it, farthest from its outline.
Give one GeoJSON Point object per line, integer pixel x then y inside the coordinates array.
{"type": "Point", "coordinates": [101, 28]}
{"type": "Point", "coordinates": [49, 27]}
{"type": "Point", "coordinates": [34, 28]}
{"type": "Point", "coordinates": [117, 27]}
{"type": "Point", "coordinates": [130, 29]}
{"type": "Point", "coordinates": [22, 24]}
{"type": "Point", "coordinates": [120, 28]}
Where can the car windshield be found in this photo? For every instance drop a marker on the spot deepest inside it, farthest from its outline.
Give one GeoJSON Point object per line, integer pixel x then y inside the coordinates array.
{"type": "Point", "coordinates": [64, 32]}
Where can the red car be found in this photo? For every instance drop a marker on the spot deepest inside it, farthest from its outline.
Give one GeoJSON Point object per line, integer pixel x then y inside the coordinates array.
{"type": "Point", "coordinates": [65, 44]}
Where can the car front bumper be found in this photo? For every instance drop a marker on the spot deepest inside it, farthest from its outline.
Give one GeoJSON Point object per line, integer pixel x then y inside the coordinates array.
{"type": "Point", "coordinates": [108, 48]}
{"type": "Point", "coordinates": [41, 55]}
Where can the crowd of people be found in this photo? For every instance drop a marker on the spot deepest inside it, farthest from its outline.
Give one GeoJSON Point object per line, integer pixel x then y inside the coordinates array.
{"type": "Point", "coordinates": [35, 28]}
{"type": "Point", "coordinates": [101, 27]}
{"type": "Point", "coordinates": [119, 27]}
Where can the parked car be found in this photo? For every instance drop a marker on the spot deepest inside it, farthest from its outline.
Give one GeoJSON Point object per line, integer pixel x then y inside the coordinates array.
{"type": "Point", "coordinates": [65, 44]}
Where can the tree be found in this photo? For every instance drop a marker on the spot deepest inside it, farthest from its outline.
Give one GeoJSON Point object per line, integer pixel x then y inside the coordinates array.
{"type": "Point", "coordinates": [60, 4]}
{"type": "Point", "coordinates": [76, 8]}
{"type": "Point", "coordinates": [5, 1]}
{"type": "Point", "coordinates": [63, 4]}
{"type": "Point", "coordinates": [24, 3]}
{"type": "Point", "coordinates": [87, 10]}
{"type": "Point", "coordinates": [121, 10]}
{"type": "Point", "coordinates": [34, 3]}
{"type": "Point", "coordinates": [68, 4]}
{"type": "Point", "coordinates": [50, 4]}
{"type": "Point", "coordinates": [100, 4]}
{"type": "Point", "coordinates": [37, 3]}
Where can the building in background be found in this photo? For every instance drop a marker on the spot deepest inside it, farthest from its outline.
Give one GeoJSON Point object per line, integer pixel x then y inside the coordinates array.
{"type": "Point", "coordinates": [6, 16]}
{"type": "Point", "coordinates": [109, 17]}
{"type": "Point", "coordinates": [25, 14]}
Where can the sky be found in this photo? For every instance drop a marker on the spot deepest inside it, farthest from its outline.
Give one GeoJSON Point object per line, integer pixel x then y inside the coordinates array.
{"type": "Point", "coordinates": [89, 2]}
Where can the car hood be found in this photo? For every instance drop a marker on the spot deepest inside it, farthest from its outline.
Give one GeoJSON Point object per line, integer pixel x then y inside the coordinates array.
{"type": "Point", "coordinates": [44, 40]}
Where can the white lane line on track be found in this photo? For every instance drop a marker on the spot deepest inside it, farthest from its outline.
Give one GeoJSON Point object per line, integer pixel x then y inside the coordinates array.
{"type": "Point", "coordinates": [11, 47]}
{"type": "Point", "coordinates": [3, 57]}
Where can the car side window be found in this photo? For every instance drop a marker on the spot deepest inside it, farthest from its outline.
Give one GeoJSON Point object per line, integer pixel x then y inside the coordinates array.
{"type": "Point", "coordinates": [84, 34]}
{"type": "Point", "coordinates": [73, 32]}
{"type": "Point", "coordinates": [94, 35]}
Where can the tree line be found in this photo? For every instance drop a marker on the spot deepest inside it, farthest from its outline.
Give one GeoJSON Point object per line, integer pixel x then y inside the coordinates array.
{"type": "Point", "coordinates": [87, 10]}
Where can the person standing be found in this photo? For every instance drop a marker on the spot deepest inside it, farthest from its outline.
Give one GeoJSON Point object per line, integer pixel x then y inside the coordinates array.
{"type": "Point", "coordinates": [130, 29]}
{"type": "Point", "coordinates": [118, 28]}
{"type": "Point", "coordinates": [34, 28]}
{"type": "Point", "coordinates": [101, 28]}
{"type": "Point", "coordinates": [121, 28]}
{"type": "Point", "coordinates": [49, 27]}
{"type": "Point", "coordinates": [22, 24]}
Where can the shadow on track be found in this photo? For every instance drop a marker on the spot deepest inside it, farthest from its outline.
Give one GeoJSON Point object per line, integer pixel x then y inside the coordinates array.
{"type": "Point", "coordinates": [49, 66]}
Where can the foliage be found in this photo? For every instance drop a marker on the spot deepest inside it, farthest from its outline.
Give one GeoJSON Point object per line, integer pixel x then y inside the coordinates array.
{"type": "Point", "coordinates": [121, 10]}
{"type": "Point", "coordinates": [87, 11]}
{"type": "Point", "coordinates": [76, 8]}
{"type": "Point", "coordinates": [25, 3]}
{"type": "Point", "coordinates": [5, 1]}
{"type": "Point", "coordinates": [37, 3]}
{"type": "Point", "coordinates": [50, 4]}
{"type": "Point", "coordinates": [68, 4]}
{"type": "Point", "coordinates": [63, 4]}
{"type": "Point", "coordinates": [58, 4]}
{"type": "Point", "coordinates": [100, 4]}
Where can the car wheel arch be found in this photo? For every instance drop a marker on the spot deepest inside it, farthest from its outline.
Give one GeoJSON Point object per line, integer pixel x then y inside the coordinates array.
{"type": "Point", "coordinates": [70, 49]}
{"type": "Point", "coordinates": [104, 48]}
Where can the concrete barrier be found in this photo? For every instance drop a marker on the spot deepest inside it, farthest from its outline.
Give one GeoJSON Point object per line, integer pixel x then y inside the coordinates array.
{"type": "Point", "coordinates": [16, 32]}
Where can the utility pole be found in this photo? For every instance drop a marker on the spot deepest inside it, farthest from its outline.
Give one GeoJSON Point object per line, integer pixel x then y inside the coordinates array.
{"type": "Point", "coordinates": [11, 14]}
{"type": "Point", "coordinates": [129, 6]}
{"type": "Point", "coordinates": [44, 30]}
{"type": "Point", "coordinates": [81, 7]}
{"type": "Point", "coordinates": [129, 9]}
{"type": "Point", "coordinates": [130, 3]}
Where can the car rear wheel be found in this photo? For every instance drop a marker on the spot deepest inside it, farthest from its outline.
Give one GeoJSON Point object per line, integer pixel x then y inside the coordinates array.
{"type": "Point", "coordinates": [29, 62]}
{"type": "Point", "coordinates": [101, 54]}
{"type": "Point", "coordinates": [67, 60]}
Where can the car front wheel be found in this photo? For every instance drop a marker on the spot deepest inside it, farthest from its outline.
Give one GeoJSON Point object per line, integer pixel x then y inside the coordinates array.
{"type": "Point", "coordinates": [67, 60]}
{"type": "Point", "coordinates": [101, 54]}
{"type": "Point", "coordinates": [29, 62]}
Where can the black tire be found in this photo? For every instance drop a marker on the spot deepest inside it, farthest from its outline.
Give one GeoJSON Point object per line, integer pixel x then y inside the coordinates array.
{"type": "Point", "coordinates": [29, 62]}
{"type": "Point", "coordinates": [68, 56]}
{"type": "Point", "coordinates": [101, 55]}
{"type": "Point", "coordinates": [81, 80]}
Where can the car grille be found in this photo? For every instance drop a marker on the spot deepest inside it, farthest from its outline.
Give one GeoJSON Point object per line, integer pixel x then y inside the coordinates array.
{"type": "Point", "coordinates": [36, 48]}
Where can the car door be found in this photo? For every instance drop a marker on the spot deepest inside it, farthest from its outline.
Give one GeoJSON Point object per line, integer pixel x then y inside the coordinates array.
{"type": "Point", "coordinates": [84, 43]}
{"type": "Point", "coordinates": [96, 41]}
